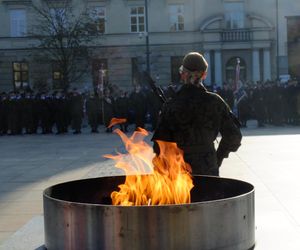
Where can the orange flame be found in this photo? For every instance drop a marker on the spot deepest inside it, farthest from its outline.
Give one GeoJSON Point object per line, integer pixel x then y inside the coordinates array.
{"type": "Point", "coordinates": [151, 179]}
{"type": "Point", "coordinates": [115, 121]}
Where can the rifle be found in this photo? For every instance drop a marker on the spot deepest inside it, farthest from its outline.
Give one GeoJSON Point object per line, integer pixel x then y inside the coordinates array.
{"type": "Point", "coordinates": [156, 89]}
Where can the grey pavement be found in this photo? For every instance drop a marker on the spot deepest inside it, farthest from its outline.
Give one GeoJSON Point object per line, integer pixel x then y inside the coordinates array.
{"type": "Point", "coordinates": [268, 158]}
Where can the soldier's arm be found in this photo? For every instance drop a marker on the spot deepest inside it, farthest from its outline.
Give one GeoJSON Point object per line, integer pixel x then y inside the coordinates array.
{"type": "Point", "coordinates": [162, 131]}
{"type": "Point", "coordinates": [231, 135]}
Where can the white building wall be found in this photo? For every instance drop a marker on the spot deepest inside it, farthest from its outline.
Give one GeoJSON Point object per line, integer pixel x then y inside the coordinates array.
{"type": "Point", "coordinates": [196, 13]}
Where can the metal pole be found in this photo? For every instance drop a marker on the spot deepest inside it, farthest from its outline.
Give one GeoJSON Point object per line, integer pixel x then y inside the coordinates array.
{"type": "Point", "coordinates": [277, 41]}
{"type": "Point", "coordinates": [147, 39]}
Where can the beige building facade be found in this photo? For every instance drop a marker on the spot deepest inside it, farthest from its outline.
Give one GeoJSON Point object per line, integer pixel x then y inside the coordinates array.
{"type": "Point", "coordinates": [255, 31]}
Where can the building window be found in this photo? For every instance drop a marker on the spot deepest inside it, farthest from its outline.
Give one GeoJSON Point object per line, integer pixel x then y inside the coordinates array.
{"type": "Point", "coordinates": [234, 15]}
{"type": "Point", "coordinates": [56, 72]}
{"type": "Point", "coordinates": [137, 19]}
{"type": "Point", "coordinates": [176, 62]}
{"type": "Point", "coordinates": [20, 75]}
{"type": "Point", "coordinates": [176, 17]}
{"type": "Point", "coordinates": [18, 23]}
{"type": "Point", "coordinates": [57, 75]}
{"type": "Point", "coordinates": [58, 20]}
{"type": "Point", "coordinates": [98, 15]}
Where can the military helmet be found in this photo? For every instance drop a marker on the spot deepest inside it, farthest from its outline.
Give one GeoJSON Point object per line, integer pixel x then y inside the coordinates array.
{"type": "Point", "coordinates": [194, 61]}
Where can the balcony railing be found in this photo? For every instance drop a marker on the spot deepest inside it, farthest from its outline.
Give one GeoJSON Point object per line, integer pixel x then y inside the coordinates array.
{"type": "Point", "coordinates": [236, 35]}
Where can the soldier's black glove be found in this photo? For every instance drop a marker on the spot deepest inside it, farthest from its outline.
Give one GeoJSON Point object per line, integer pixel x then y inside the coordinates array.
{"type": "Point", "coordinates": [219, 161]}
{"type": "Point", "coordinates": [220, 158]}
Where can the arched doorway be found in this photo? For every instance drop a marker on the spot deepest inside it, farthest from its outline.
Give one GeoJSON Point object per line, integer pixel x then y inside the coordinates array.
{"type": "Point", "coordinates": [231, 70]}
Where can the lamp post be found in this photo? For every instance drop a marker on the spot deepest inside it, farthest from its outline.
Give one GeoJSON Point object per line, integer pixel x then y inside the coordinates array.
{"type": "Point", "coordinates": [277, 40]}
{"type": "Point", "coordinates": [147, 39]}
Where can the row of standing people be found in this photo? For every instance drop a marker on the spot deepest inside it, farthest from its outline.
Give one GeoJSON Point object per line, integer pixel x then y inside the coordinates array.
{"type": "Point", "coordinates": [268, 103]}
{"type": "Point", "coordinates": [28, 112]}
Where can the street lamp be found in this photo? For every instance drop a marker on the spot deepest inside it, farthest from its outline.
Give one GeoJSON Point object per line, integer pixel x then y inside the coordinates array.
{"type": "Point", "coordinates": [277, 40]}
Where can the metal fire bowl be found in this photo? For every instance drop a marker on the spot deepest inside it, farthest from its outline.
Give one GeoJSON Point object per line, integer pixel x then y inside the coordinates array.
{"type": "Point", "coordinates": [79, 215]}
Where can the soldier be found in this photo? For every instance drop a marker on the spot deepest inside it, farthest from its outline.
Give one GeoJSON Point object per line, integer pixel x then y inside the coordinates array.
{"type": "Point", "coordinates": [13, 120]}
{"type": "Point", "coordinates": [44, 113]}
{"type": "Point", "coordinates": [27, 114]}
{"type": "Point", "coordinates": [227, 94]}
{"type": "Point", "coordinates": [108, 109]}
{"type": "Point", "coordinates": [138, 105]}
{"type": "Point", "coordinates": [93, 111]}
{"type": "Point", "coordinates": [3, 113]}
{"type": "Point", "coordinates": [76, 109]}
{"type": "Point", "coordinates": [194, 117]}
{"type": "Point", "coordinates": [59, 105]}
{"type": "Point", "coordinates": [154, 105]}
{"type": "Point", "coordinates": [121, 109]}
{"type": "Point", "coordinates": [258, 105]}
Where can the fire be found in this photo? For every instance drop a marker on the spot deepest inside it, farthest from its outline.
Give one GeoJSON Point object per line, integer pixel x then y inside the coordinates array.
{"type": "Point", "coordinates": [115, 121]}
{"type": "Point", "coordinates": [151, 179]}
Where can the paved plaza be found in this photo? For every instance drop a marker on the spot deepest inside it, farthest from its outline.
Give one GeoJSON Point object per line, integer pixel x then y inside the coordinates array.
{"type": "Point", "coordinates": [268, 158]}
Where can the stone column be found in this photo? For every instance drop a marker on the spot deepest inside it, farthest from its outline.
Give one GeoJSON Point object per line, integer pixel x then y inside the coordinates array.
{"type": "Point", "coordinates": [255, 65]}
{"type": "Point", "coordinates": [218, 68]}
{"type": "Point", "coordinates": [207, 58]}
{"type": "Point", "coordinates": [267, 65]}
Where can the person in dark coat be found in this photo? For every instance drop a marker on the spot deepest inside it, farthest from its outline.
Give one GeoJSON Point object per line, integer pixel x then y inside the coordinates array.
{"type": "Point", "coordinates": [227, 94]}
{"type": "Point", "coordinates": [14, 119]}
{"type": "Point", "coordinates": [121, 109]}
{"type": "Point", "coordinates": [194, 117]}
{"type": "Point", "coordinates": [107, 109]}
{"type": "Point", "coordinates": [138, 106]}
{"type": "Point", "coordinates": [59, 105]}
{"type": "Point", "coordinates": [290, 100]}
{"type": "Point", "coordinates": [153, 106]}
{"type": "Point", "coordinates": [76, 109]}
{"type": "Point", "coordinates": [44, 113]}
{"type": "Point", "coordinates": [27, 113]}
{"type": "Point", "coordinates": [93, 106]}
{"type": "Point", "coordinates": [244, 109]}
{"type": "Point", "coordinates": [3, 113]}
{"type": "Point", "coordinates": [258, 105]}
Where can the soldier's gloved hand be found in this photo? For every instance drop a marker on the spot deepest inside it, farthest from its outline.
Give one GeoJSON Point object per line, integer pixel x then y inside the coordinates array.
{"type": "Point", "coordinates": [219, 161]}
{"type": "Point", "coordinates": [220, 157]}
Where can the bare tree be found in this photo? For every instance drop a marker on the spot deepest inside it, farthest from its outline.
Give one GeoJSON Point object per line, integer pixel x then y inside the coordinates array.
{"type": "Point", "coordinates": [64, 37]}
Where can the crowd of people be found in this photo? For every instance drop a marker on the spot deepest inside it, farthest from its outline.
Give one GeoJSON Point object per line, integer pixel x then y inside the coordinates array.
{"type": "Point", "coordinates": [270, 102]}
{"type": "Point", "coordinates": [58, 112]}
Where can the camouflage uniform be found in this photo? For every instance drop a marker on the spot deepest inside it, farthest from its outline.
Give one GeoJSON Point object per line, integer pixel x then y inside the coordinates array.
{"type": "Point", "coordinates": [193, 119]}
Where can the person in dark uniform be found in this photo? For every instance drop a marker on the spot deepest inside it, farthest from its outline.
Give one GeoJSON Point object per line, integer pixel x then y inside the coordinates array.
{"type": "Point", "coordinates": [108, 109]}
{"type": "Point", "coordinates": [27, 113]}
{"type": "Point", "coordinates": [59, 112]}
{"type": "Point", "coordinates": [44, 113]}
{"type": "Point", "coordinates": [121, 109]}
{"type": "Point", "coordinates": [13, 114]}
{"type": "Point", "coordinates": [76, 109]}
{"type": "Point", "coordinates": [258, 104]}
{"type": "Point", "coordinates": [227, 94]}
{"type": "Point", "coordinates": [153, 107]}
{"type": "Point", "coordinates": [194, 117]}
{"type": "Point", "coordinates": [3, 113]}
{"type": "Point", "coordinates": [138, 105]}
{"type": "Point", "coordinates": [93, 106]}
